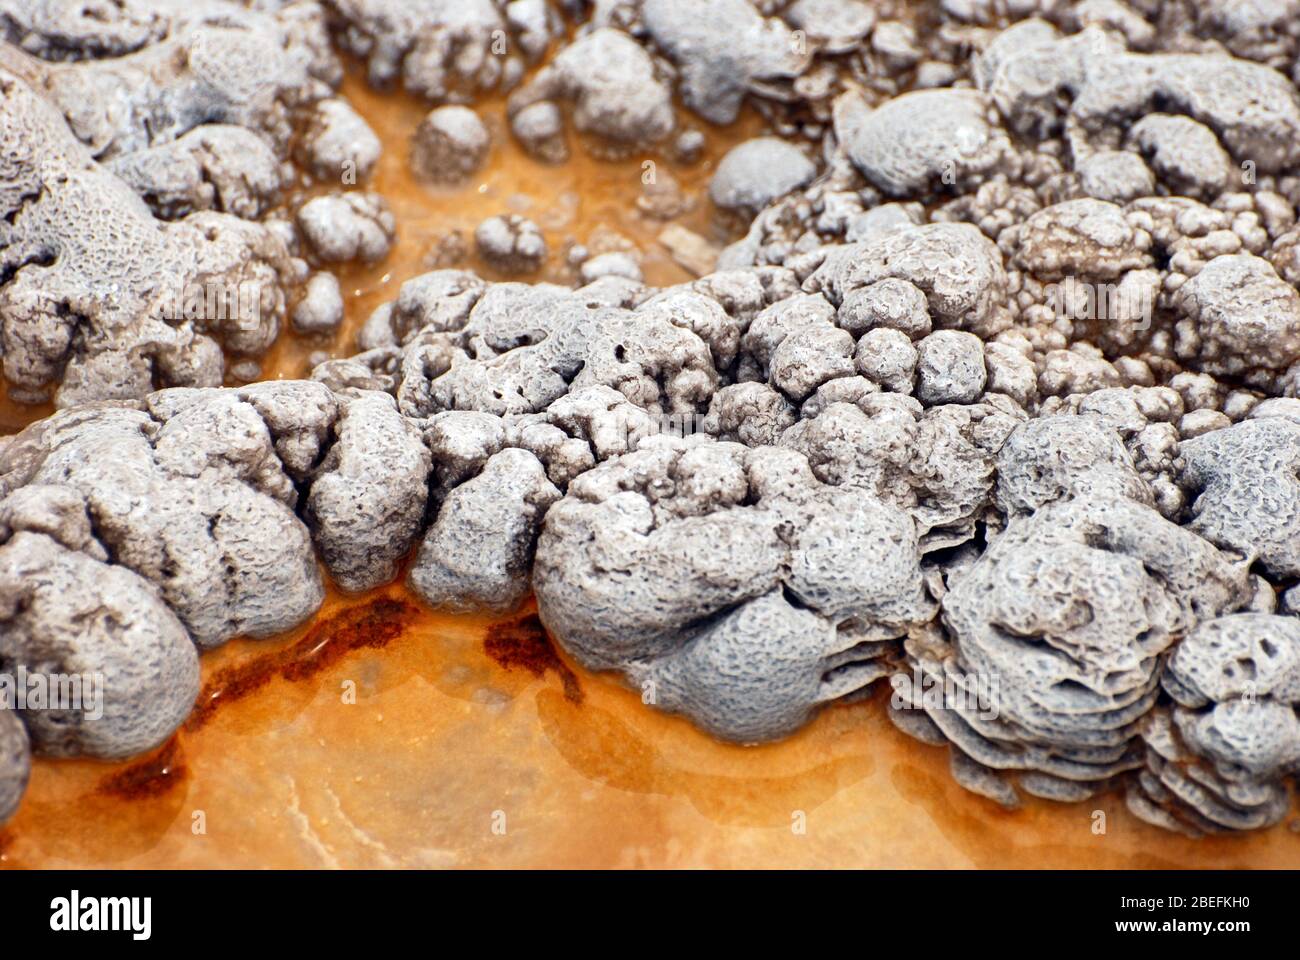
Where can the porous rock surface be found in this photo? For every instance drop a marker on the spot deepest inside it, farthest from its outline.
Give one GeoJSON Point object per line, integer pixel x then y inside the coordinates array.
{"type": "Point", "coordinates": [1216, 756]}
{"type": "Point", "coordinates": [149, 147]}
{"type": "Point", "coordinates": [995, 397]}
{"type": "Point", "coordinates": [95, 288]}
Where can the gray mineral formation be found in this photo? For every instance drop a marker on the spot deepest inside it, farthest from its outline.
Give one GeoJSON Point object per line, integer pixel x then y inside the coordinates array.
{"type": "Point", "coordinates": [450, 145]}
{"type": "Point", "coordinates": [151, 149]}
{"type": "Point", "coordinates": [753, 174]}
{"type": "Point", "coordinates": [477, 553]}
{"type": "Point", "coordinates": [511, 243]}
{"type": "Point", "coordinates": [348, 226]}
{"type": "Point", "coordinates": [99, 299]}
{"type": "Point", "coordinates": [366, 504]}
{"type": "Point", "coordinates": [613, 86]}
{"type": "Point", "coordinates": [445, 50]}
{"type": "Point", "coordinates": [15, 762]}
{"type": "Point", "coordinates": [1217, 754]}
{"type": "Point", "coordinates": [753, 592]}
{"type": "Point", "coordinates": [69, 614]}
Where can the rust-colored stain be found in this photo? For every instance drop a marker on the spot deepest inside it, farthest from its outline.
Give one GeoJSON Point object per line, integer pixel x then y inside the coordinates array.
{"type": "Point", "coordinates": [371, 625]}
{"type": "Point", "coordinates": [150, 776]}
{"type": "Point", "coordinates": [525, 643]}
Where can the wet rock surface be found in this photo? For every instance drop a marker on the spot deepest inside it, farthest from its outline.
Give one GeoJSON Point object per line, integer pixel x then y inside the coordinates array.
{"type": "Point", "coordinates": [450, 145]}
{"type": "Point", "coordinates": [15, 763]}
{"type": "Point", "coordinates": [149, 149]}
{"type": "Point", "coordinates": [994, 398]}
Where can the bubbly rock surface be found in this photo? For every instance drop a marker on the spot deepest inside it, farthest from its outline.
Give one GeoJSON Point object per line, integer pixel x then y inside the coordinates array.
{"type": "Point", "coordinates": [477, 554]}
{"type": "Point", "coordinates": [613, 85]}
{"type": "Point", "coordinates": [69, 615]}
{"type": "Point", "coordinates": [98, 298]}
{"type": "Point", "coordinates": [1217, 755]}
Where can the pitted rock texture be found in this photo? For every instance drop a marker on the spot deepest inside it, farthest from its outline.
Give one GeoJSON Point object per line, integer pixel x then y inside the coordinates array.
{"type": "Point", "coordinates": [1069, 610]}
{"type": "Point", "coordinates": [70, 615]}
{"type": "Point", "coordinates": [187, 65]}
{"type": "Point", "coordinates": [189, 491]}
{"type": "Point", "coordinates": [445, 50]}
{"type": "Point", "coordinates": [477, 554]}
{"type": "Point", "coordinates": [1243, 483]}
{"type": "Point", "coordinates": [151, 146]}
{"type": "Point", "coordinates": [912, 143]}
{"type": "Point", "coordinates": [614, 89]}
{"type": "Point", "coordinates": [101, 299]}
{"type": "Point", "coordinates": [367, 502]}
{"type": "Point", "coordinates": [1216, 757]}
{"type": "Point", "coordinates": [721, 52]}
{"type": "Point", "coordinates": [747, 585]}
